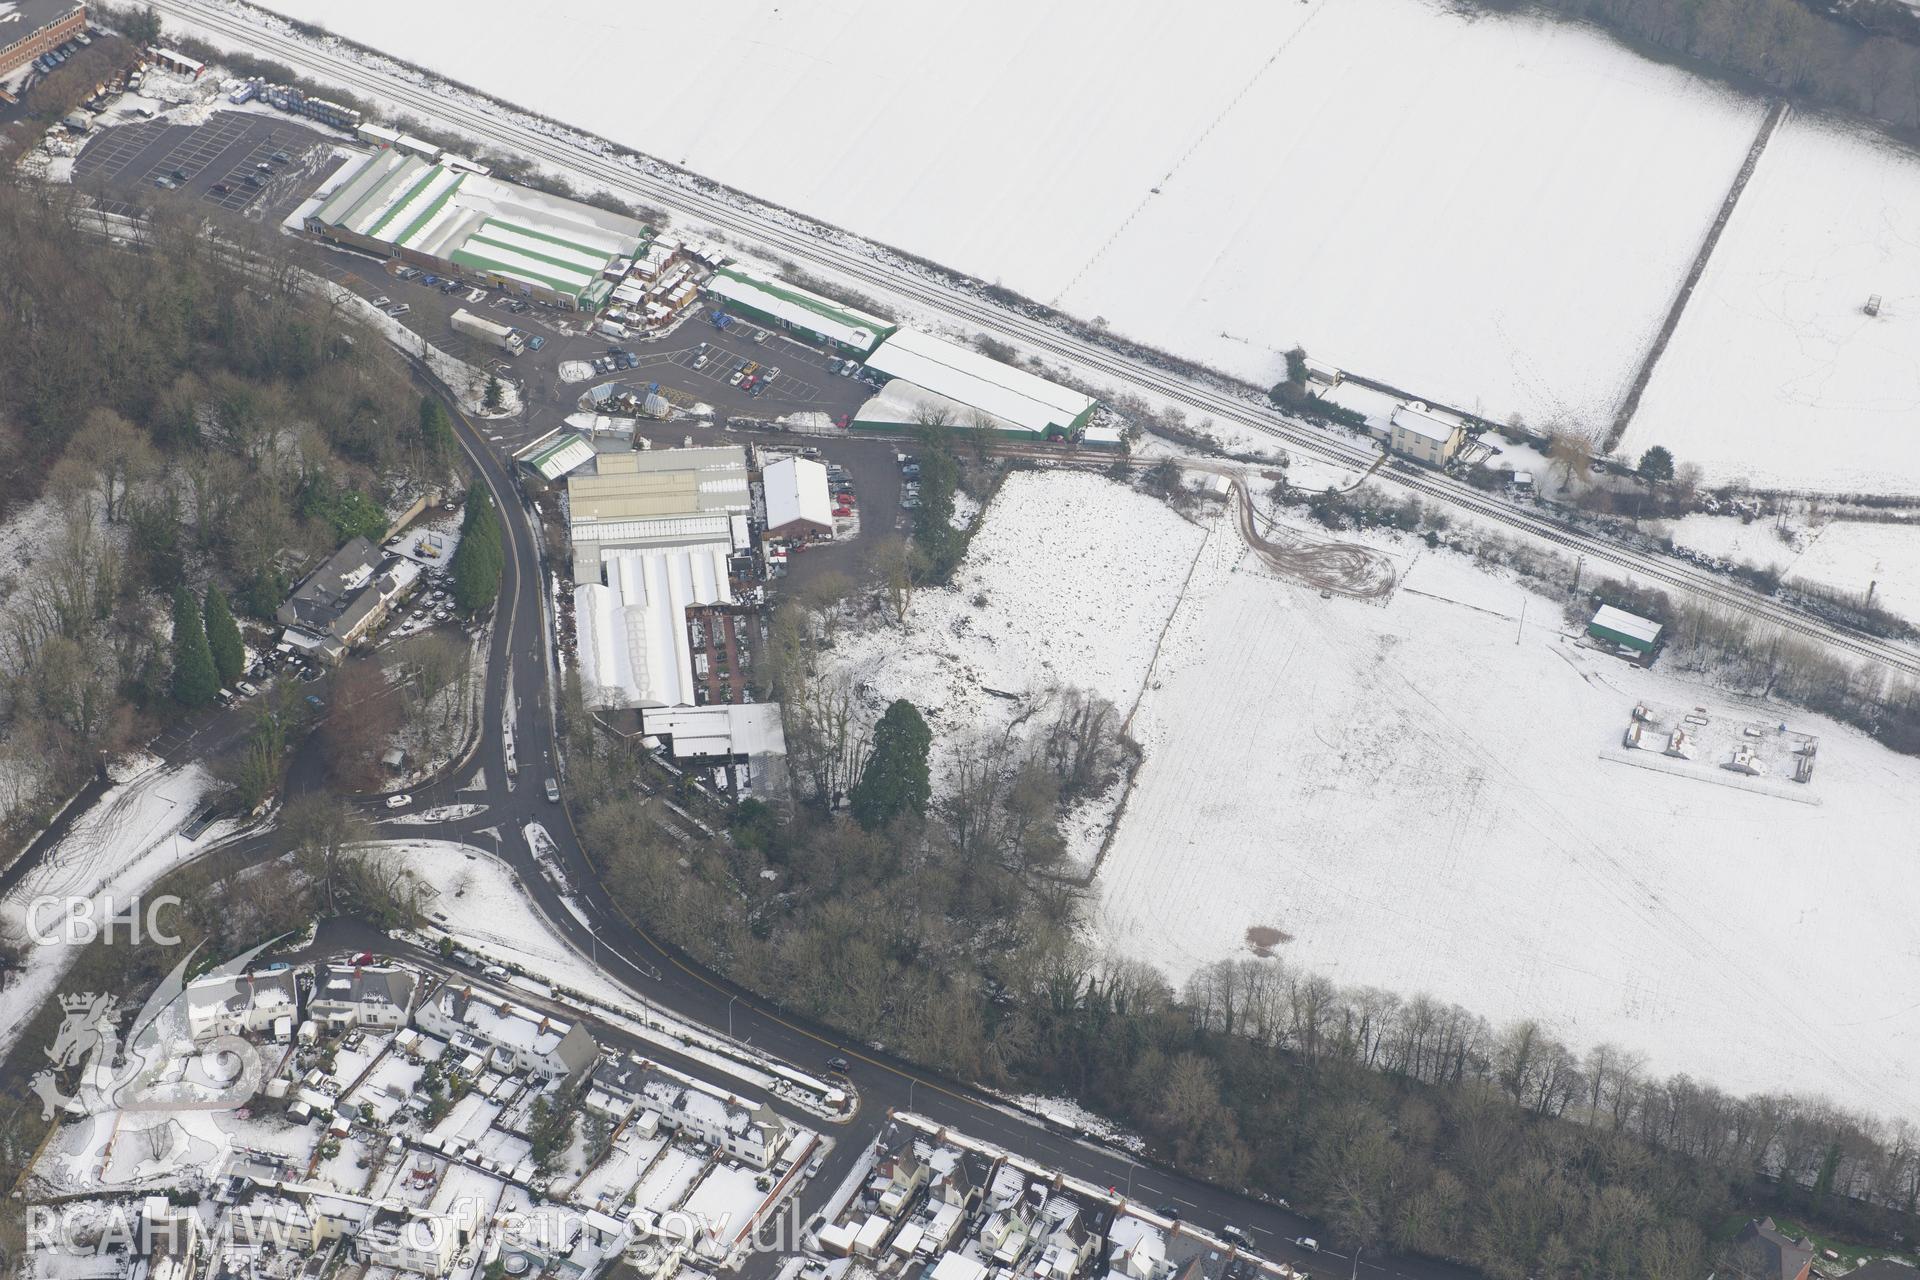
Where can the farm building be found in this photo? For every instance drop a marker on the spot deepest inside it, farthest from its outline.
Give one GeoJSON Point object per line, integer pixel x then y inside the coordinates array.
{"type": "Point", "coordinates": [818, 320]}
{"type": "Point", "coordinates": [634, 646]}
{"type": "Point", "coordinates": [443, 218]}
{"type": "Point", "coordinates": [654, 499]}
{"type": "Point", "coordinates": [797, 499]}
{"type": "Point", "coordinates": [932, 381]}
{"type": "Point", "coordinates": [31, 27]}
{"type": "Point", "coordinates": [1424, 435]}
{"type": "Point", "coordinates": [1627, 630]}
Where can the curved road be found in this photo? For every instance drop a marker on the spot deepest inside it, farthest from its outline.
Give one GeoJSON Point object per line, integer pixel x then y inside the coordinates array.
{"type": "Point", "coordinates": [518, 680]}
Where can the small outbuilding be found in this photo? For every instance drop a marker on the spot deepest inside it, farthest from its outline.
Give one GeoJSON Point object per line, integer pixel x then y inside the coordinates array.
{"type": "Point", "coordinates": [1625, 630]}
{"type": "Point", "coordinates": [798, 502]}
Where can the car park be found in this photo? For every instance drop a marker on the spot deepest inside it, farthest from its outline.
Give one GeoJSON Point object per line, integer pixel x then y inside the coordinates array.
{"type": "Point", "coordinates": [399, 801]}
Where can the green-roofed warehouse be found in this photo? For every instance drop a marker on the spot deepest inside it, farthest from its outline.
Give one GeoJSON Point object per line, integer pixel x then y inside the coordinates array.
{"type": "Point", "coordinates": [819, 320]}
{"type": "Point", "coordinates": [449, 220]}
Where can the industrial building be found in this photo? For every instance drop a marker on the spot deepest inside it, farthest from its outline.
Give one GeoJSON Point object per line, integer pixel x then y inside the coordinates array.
{"type": "Point", "coordinates": [815, 319]}
{"type": "Point", "coordinates": [635, 648]}
{"type": "Point", "coordinates": [1624, 630]}
{"type": "Point", "coordinates": [555, 454]}
{"type": "Point", "coordinates": [657, 498]}
{"type": "Point", "coordinates": [445, 218]}
{"type": "Point", "coordinates": [32, 27]}
{"type": "Point", "coordinates": [797, 499]}
{"type": "Point", "coordinates": [938, 382]}
{"type": "Point", "coordinates": [746, 740]}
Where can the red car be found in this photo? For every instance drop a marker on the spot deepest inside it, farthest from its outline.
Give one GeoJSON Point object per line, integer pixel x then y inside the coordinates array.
{"type": "Point", "coordinates": [746, 383]}
{"type": "Point", "coordinates": [844, 499]}
{"type": "Point", "coordinates": [843, 512]}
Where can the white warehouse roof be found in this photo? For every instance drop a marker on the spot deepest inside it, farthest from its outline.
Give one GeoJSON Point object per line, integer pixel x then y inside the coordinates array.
{"type": "Point", "coordinates": [797, 490]}
{"type": "Point", "coordinates": [1645, 630]}
{"type": "Point", "coordinates": [1027, 401]}
{"type": "Point", "coordinates": [632, 631]}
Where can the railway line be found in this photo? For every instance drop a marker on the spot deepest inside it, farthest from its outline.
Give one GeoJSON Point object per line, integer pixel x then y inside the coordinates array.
{"type": "Point", "coordinates": [765, 229]}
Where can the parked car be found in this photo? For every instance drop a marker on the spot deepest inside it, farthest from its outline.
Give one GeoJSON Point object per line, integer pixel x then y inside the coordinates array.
{"type": "Point", "coordinates": [1236, 1236]}
{"type": "Point", "coordinates": [429, 279]}
{"type": "Point", "coordinates": [399, 802]}
{"type": "Point", "coordinates": [839, 1064]}
{"type": "Point", "coordinates": [1169, 1211]}
{"type": "Point", "coordinates": [735, 379]}
{"type": "Point", "coordinates": [749, 382]}
{"type": "Point", "coordinates": [759, 335]}
{"type": "Point", "coordinates": [536, 342]}
{"type": "Point", "coordinates": [553, 791]}
{"type": "Point", "coordinates": [700, 361]}
{"type": "Point", "coordinates": [773, 373]}
{"type": "Point", "coordinates": [220, 188]}
{"type": "Point", "coordinates": [315, 701]}
{"type": "Point", "coordinates": [399, 309]}
{"type": "Point", "coordinates": [247, 688]}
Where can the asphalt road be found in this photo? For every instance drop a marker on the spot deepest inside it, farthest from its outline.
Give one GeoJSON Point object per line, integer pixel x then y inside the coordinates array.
{"type": "Point", "coordinates": [517, 685]}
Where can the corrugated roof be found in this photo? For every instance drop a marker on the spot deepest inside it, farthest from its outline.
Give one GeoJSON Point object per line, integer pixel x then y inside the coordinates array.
{"type": "Point", "coordinates": [1026, 400]}
{"type": "Point", "coordinates": [632, 631]}
{"type": "Point", "coordinates": [797, 306]}
{"type": "Point", "coordinates": [1642, 629]}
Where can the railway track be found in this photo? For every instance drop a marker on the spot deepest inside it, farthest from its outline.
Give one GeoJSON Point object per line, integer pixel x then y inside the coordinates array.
{"type": "Point", "coordinates": [630, 178]}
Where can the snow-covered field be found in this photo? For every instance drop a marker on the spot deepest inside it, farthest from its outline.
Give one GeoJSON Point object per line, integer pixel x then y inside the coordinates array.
{"type": "Point", "coordinates": [1846, 555]}
{"type": "Point", "coordinates": [1415, 794]}
{"type": "Point", "coordinates": [1776, 375]}
{"type": "Point", "coordinates": [1346, 176]}
{"type": "Point", "coordinates": [1043, 569]}
{"type": "Point", "coordinates": [127, 840]}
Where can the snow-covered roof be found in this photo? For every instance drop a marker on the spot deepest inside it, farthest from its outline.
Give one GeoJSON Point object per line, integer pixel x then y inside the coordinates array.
{"type": "Point", "coordinates": [800, 308]}
{"type": "Point", "coordinates": [796, 491]}
{"type": "Point", "coordinates": [1028, 401]}
{"type": "Point", "coordinates": [1416, 419]}
{"type": "Point", "coordinates": [554, 457]}
{"type": "Point", "coordinates": [632, 630]}
{"type": "Point", "coordinates": [1642, 629]}
{"type": "Point", "coordinates": [718, 730]}
{"type": "Point", "coordinates": [476, 221]}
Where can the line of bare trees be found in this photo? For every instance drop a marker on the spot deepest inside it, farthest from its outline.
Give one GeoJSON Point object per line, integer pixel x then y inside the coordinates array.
{"type": "Point", "coordinates": [1785, 46]}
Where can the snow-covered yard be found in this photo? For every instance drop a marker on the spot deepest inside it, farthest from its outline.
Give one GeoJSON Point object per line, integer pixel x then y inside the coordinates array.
{"type": "Point", "coordinates": [127, 840]}
{"type": "Point", "coordinates": [1776, 375]}
{"type": "Point", "coordinates": [1415, 798]}
{"type": "Point", "coordinates": [1340, 175]}
{"type": "Point", "coordinates": [1068, 583]}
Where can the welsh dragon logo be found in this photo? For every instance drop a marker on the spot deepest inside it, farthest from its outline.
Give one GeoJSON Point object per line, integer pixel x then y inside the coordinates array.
{"type": "Point", "coordinates": [159, 1089]}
